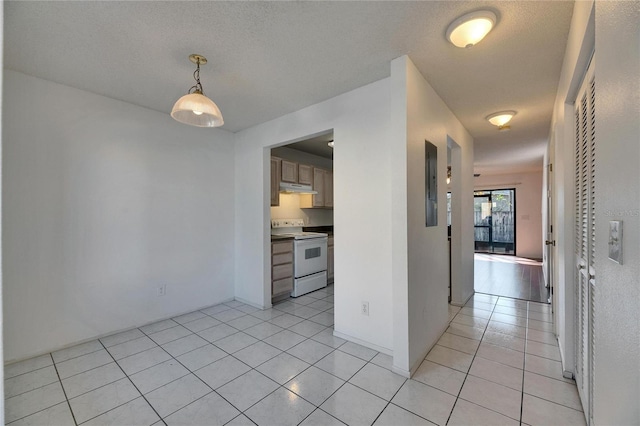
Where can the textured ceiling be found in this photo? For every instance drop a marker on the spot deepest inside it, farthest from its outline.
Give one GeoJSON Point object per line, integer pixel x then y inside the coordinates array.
{"type": "Point", "coordinates": [267, 59]}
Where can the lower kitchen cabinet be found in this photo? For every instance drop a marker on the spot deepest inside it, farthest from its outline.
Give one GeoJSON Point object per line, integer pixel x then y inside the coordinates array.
{"type": "Point", "coordinates": [281, 269]}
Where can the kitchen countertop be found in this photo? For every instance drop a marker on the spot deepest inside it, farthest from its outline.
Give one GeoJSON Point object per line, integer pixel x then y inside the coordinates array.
{"type": "Point", "coordinates": [281, 237]}
{"type": "Point", "coordinates": [327, 229]}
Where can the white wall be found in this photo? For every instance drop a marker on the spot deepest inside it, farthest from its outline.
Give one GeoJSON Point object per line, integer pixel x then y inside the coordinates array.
{"type": "Point", "coordinates": [419, 114]}
{"type": "Point", "coordinates": [1, 174]}
{"type": "Point", "coordinates": [614, 28]}
{"type": "Point", "coordinates": [528, 188]}
{"type": "Point", "coordinates": [103, 202]}
{"type": "Point", "coordinates": [617, 329]}
{"type": "Point", "coordinates": [362, 213]}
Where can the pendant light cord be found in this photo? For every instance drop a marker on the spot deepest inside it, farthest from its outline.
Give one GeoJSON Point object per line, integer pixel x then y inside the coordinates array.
{"type": "Point", "coordinates": [197, 88]}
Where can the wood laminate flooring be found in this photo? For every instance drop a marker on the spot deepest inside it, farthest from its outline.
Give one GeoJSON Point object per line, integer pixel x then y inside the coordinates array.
{"type": "Point", "coordinates": [510, 276]}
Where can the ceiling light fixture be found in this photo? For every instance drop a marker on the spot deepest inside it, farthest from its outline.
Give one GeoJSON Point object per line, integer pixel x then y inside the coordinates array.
{"type": "Point", "coordinates": [195, 108]}
{"type": "Point", "coordinates": [469, 29]}
{"type": "Point", "coordinates": [330, 143]}
{"type": "Point", "coordinates": [500, 119]}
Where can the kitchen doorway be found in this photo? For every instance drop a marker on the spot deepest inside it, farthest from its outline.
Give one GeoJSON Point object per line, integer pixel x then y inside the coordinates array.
{"type": "Point", "coordinates": [301, 221]}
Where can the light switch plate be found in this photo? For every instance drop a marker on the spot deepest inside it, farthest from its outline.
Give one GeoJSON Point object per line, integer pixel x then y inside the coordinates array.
{"type": "Point", "coordinates": [615, 241]}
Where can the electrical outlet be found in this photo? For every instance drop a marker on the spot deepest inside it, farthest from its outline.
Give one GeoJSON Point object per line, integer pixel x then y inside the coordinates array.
{"type": "Point", "coordinates": [364, 308]}
{"type": "Point", "coordinates": [162, 290]}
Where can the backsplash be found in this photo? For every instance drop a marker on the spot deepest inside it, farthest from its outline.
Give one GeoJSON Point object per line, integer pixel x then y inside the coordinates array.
{"type": "Point", "coordinates": [289, 208]}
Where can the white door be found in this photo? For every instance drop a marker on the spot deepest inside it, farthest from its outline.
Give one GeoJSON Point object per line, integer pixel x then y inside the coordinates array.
{"type": "Point", "coordinates": [585, 281]}
{"type": "Point", "coordinates": [549, 237]}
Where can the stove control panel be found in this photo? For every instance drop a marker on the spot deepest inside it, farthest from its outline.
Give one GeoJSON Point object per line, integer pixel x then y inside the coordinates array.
{"type": "Point", "coordinates": [287, 223]}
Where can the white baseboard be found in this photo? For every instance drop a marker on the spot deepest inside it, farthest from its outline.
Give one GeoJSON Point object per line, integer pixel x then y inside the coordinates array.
{"type": "Point", "coordinates": [463, 303]}
{"type": "Point", "coordinates": [246, 302]}
{"type": "Point", "coordinates": [369, 345]}
{"type": "Point", "coordinates": [100, 336]}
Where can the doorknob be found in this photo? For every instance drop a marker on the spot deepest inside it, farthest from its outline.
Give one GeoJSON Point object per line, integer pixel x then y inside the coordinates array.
{"type": "Point", "coordinates": [550, 243]}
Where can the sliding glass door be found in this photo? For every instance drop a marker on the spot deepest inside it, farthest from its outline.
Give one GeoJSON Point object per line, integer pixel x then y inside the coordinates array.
{"type": "Point", "coordinates": [494, 221]}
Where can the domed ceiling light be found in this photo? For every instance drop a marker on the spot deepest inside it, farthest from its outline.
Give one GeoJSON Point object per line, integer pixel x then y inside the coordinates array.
{"type": "Point", "coordinates": [500, 119]}
{"type": "Point", "coordinates": [194, 108]}
{"type": "Point", "coordinates": [469, 29]}
{"type": "Point", "coordinates": [330, 143]}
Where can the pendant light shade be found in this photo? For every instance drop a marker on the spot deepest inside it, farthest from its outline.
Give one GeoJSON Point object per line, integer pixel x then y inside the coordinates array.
{"type": "Point", "coordinates": [194, 108]}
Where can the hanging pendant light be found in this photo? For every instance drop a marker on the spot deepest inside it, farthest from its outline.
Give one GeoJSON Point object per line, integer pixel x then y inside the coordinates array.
{"type": "Point", "coordinates": [195, 108]}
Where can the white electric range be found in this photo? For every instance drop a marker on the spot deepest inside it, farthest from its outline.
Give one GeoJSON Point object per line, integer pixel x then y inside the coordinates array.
{"type": "Point", "coordinates": [309, 255]}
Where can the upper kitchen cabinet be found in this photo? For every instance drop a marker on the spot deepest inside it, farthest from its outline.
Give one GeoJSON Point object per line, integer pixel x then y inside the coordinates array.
{"type": "Point", "coordinates": [305, 174]}
{"type": "Point", "coordinates": [289, 171]}
{"type": "Point", "coordinates": [323, 185]}
{"type": "Point", "coordinates": [276, 165]}
{"type": "Point", "coordinates": [318, 185]}
{"type": "Point", "coordinates": [292, 172]}
{"type": "Point", "coordinates": [328, 188]}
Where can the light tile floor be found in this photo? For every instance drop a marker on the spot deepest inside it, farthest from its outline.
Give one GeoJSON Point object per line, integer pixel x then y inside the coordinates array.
{"type": "Point", "coordinates": [496, 364]}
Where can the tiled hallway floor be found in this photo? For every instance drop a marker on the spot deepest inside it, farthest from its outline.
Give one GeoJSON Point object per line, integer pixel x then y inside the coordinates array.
{"type": "Point", "coordinates": [234, 364]}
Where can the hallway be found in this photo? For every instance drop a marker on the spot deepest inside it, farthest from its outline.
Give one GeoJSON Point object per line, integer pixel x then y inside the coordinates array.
{"type": "Point", "coordinates": [500, 357]}
{"type": "Point", "coordinates": [509, 276]}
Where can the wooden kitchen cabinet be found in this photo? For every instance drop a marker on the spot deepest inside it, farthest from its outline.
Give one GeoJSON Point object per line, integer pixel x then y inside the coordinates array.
{"type": "Point", "coordinates": [289, 171]}
{"type": "Point", "coordinates": [318, 185]}
{"type": "Point", "coordinates": [323, 185]}
{"type": "Point", "coordinates": [281, 269]}
{"type": "Point", "coordinates": [276, 164]}
{"type": "Point", "coordinates": [305, 174]}
{"type": "Point", "coordinates": [328, 188]}
{"type": "Point", "coordinates": [330, 260]}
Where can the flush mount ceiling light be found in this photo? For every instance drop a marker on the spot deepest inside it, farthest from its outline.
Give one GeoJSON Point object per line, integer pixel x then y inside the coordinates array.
{"type": "Point", "coordinates": [330, 143]}
{"type": "Point", "coordinates": [195, 108]}
{"type": "Point", "coordinates": [469, 29]}
{"type": "Point", "coordinates": [500, 119]}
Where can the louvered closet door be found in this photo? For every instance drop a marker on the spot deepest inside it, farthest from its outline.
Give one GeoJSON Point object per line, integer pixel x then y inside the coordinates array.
{"type": "Point", "coordinates": [585, 191]}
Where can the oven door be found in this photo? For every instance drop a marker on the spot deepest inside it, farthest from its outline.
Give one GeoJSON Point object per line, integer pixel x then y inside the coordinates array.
{"type": "Point", "coordinates": [310, 256]}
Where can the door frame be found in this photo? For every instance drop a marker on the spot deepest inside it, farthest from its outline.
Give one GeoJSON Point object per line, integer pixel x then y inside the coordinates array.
{"type": "Point", "coordinates": [490, 191]}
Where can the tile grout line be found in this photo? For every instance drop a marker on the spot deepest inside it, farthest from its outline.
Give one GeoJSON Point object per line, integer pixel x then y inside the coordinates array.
{"type": "Point", "coordinates": [389, 403]}
{"type": "Point", "coordinates": [524, 364]}
{"type": "Point", "coordinates": [251, 368]}
{"type": "Point", "coordinates": [340, 387]}
{"type": "Point", "coordinates": [307, 368]}
{"type": "Point", "coordinates": [279, 385]}
{"type": "Point", "coordinates": [73, 416]}
{"type": "Point", "coordinates": [134, 385]}
{"type": "Point", "coordinates": [472, 360]}
{"type": "Point", "coordinates": [198, 377]}
{"type": "Point", "coordinates": [40, 387]}
{"type": "Point", "coordinates": [27, 372]}
{"type": "Point", "coordinates": [31, 390]}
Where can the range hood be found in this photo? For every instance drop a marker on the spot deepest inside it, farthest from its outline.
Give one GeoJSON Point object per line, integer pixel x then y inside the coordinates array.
{"type": "Point", "coordinates": [296, 188]}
